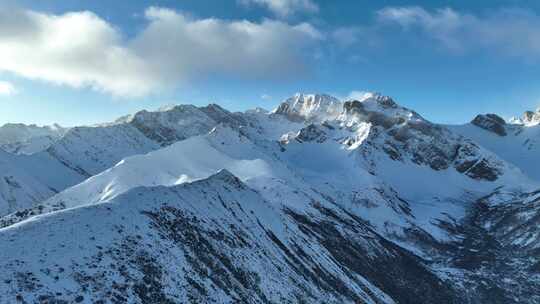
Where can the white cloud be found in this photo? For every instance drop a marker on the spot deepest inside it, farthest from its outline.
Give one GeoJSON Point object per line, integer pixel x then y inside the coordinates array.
{"type": "Point", "coordinates": [357, 95]}
{"type": "Point", "coordinates": [363, 36]}
{"type": "Point", "coordinates": [285, 8]}
{"type": "Point", "coordinates": [347, 36]}
{"type": "Point", "coordinates": [7, 88]}
{"type": "Point", "coordinates": [266, 97]}
{"type": "Point", "coordinates": [511, 31]}
{"type": "Point", "coordinates": [80, 49]}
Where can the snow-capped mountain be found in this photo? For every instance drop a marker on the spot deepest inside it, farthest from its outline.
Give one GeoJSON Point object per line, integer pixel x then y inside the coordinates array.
{"type": "Point", "coordinates": [214, 240]}
{"type": "Point", "coordinates": [518, 143]}
{"type": "Point", "coordinates": [529, 118]}
{"type": "Point", "coordinates": [28, 139]}
{"type": "Point", "coordinates": [355, 201]}
{"type": "Point", "coordinates": [310, 106]}
{"type": "Point", "coordinates": [85, 151]}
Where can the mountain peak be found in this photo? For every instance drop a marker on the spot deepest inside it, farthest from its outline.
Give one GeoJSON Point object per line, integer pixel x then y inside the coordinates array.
{"type": "Point", "coordinates": [20, 138]}
{"type": "Point", "coordinates": [491, 122]}
{"type": "Point", "coordinates": [378, 110]}
{"type": "Point", "coordinates": [310, 107]}
{"type": "Point", "coordinates": [531, 118]}
{"type": "Point", "coordinates": [379, 99]}
{"type": "Point", "coordinates": [226, 176]}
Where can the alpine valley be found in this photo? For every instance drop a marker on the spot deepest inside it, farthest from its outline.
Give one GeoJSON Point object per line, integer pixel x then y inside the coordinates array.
{"type": "Point", "coordinates": [319, 201]}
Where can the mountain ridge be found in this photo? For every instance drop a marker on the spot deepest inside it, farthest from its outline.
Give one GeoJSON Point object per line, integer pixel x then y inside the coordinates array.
{"type": "Point", "coordinates": [334, 201]}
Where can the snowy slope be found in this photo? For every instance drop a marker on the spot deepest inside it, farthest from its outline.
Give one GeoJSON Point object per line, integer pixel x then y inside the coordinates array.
{"type": "Point", "coordinates": [419, 169]}
{"type": "Point", "coordinates": [28, 139]}
{"type": "Point", "coordinates": [15, 192]}
{"type": "Point", "coordinates": [264, 167]}
{"type": "Point", "coordinates": [91, 150]}
{"type": "Point", "coordinates": [520, 145]}
{"type": "Point", "coordinates": [326, 194]}
{"type": "Point", "coordinates": [30, 146]}
{"type": "Point", "coordinates": [192, 159]}
{"type": "Point", "coordinates": [85, 151]}
{"type": "Point", "coordinates": [347, 159]}
{"type": "Point", "coordinates": [80, 153]}
{"type": "Point", "coordinates": [208, 241]}
{"type": "Point", "coordinates": [513, 218]}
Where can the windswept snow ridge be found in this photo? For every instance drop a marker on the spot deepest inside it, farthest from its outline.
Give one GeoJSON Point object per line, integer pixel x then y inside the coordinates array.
{"type": "Point", "coordinates": [318, 201]}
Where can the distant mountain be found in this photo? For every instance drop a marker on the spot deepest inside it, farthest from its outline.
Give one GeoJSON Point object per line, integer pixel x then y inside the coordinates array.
{"type": "Point", "coordinates": [518, 143]}
{"type": "Point", "coordinates": [529, 118]}
{"type": "Point", "coordinates": [310, 107]}
{"type": "Point", "coordinates": [19, 190]}
{"type": "Point", "coordinates": [354, 201]}
{"type": "Point", "coordinates": [85, 151]}
{"type": "Point", "coordinates": [28, 139]}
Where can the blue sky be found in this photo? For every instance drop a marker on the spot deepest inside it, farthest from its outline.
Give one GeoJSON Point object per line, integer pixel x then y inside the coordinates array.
{"type": "Point", "coordinates": [81, 62]}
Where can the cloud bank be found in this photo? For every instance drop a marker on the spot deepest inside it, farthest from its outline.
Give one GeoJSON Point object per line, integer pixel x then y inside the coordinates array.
{"type": "Point", "coordinates": [514, 32]}
{"type": "Point", "coordinates": [80, 49]}
{"type": "Point", "coordinates": [284, 8]}
{"type": "Point", "coordinates": [7, 88]}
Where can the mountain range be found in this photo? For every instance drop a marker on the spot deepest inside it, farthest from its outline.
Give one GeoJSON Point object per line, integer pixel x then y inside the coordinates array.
{"type": "Point", "coordinates": [321, 200]}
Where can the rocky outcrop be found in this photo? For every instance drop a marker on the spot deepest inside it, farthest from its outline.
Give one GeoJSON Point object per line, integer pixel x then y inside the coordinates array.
{"type": "Point", "coordinates": [531, 118]}
{"type": "Point", "coordinates": [492, 123]}
{"type": "Point", "coordinates": [403, 134]}
{"type": "Point", "coordinates": [311, 133]}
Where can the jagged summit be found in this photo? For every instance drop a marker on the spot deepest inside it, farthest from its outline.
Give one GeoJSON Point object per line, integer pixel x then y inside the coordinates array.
{"type": "Point", "coordinates": [146, 114]}
{"type": "Point", "coordinates": [528, 119]}
{"type": "Point", "coordinates": [225, 176]}
{"type": "Point", "coordinates": [378, 109]}
{"type": "Point", "coordinates": [323, 107]}
{"type": "Point", "coordinates": [531, 117]}
{"type": "Point", "coordinates": [379, 98]}
{"type": "Point", "coordinates": [310, 107]}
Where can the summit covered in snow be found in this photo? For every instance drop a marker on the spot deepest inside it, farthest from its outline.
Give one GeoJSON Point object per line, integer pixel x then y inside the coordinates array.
{"type": "Point", "coordinates": [319, 201]}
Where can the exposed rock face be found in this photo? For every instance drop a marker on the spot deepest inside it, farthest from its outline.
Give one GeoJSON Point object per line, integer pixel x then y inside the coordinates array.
{"type": "Point", "coordinates": [177, 123]}
{"type": "Point", "coordinates": [311, 133]}
{"type": "Point", "coordinates": [310, 107]}
{"type": "Point", "coordinates": [181, 122]}
{"type": "Point", "coordinates": [359, 111]}
{"type": "Point", "coordinates": [518, 142]}
{"type": "Point", "coordinates": [531, 118]}
{"type": "Point", "coordinates": [403, 134]}
{"type": "Point", "coordinates": [502, 231]}
{"type": "Point", "coordinates": [482, 169]}
{"type": "Point", "coordinates": [514, 223]}
{"type": "Point", "coordinates": [492, 123]}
